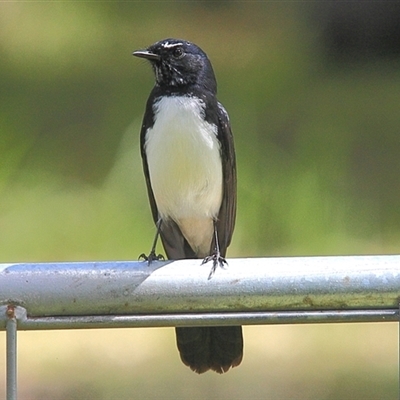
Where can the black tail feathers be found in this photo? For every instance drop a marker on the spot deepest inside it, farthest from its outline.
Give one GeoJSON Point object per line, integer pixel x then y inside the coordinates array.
{"type": "Point", "coordinates": [217, 348]}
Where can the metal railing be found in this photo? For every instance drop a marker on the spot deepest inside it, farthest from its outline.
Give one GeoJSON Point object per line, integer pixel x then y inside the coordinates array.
{"type": "Point", "coordinates": [36, 296]}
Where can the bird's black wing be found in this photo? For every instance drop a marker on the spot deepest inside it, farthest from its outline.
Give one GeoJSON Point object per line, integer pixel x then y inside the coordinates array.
{"type": "Point", "coordinates": [227, 213]}
{"type": "Point", "coordinates": [148, 122]}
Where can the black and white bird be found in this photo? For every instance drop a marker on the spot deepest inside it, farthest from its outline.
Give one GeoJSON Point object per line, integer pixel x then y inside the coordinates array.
{"type": "Point", "coordinates": [190, 170]}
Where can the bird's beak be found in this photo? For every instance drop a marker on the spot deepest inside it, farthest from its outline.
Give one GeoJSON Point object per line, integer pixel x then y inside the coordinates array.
{"type": "Point", "coordinates": [148, 55]}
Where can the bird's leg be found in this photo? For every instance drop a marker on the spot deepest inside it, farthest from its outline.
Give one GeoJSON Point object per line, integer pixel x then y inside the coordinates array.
{"type": "Point", "coordinates": [215, 257]}
{"type": "Point", "coordinates": [152, 256]}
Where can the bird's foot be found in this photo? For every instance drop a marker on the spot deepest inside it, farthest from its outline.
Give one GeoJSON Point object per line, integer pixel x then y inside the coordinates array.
{"type": "Point", "coordinates": [151, 257]}
{"type": "Point", "coordinates": [217, 260]}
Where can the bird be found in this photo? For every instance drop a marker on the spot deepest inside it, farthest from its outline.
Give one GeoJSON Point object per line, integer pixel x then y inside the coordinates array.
{"type": "Point", "coordinates": [189, 165]}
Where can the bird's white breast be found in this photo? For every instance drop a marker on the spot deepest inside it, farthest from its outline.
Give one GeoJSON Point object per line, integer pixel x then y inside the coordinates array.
{"type": "Point", "coordinates": [183, 156]}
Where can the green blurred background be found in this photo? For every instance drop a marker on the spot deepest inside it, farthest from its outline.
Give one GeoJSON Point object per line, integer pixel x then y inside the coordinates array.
{"type": "Point", "coordinates": [313, 92]}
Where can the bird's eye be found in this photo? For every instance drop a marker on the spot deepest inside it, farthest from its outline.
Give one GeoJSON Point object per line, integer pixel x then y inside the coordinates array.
{"type": "Point", "coordinates": [177, 52]}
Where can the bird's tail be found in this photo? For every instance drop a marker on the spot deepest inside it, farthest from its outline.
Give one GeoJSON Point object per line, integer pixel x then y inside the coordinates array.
{"type": "Point", "coordinates": [217, 348]}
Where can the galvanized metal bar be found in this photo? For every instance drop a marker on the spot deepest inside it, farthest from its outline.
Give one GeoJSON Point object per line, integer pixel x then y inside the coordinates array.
{"type": "Point", "coordinates": [11, 354]}
{"type": "Point", "coordinates": [209, 319]}
{"type": "Point", "coordinates": [253, 291]}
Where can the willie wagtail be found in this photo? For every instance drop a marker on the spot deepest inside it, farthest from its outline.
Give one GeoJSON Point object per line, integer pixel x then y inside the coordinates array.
{"type": "Point", "coordinates": [189, 165]}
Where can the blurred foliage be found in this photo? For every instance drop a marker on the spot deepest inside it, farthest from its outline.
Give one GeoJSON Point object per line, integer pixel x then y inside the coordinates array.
{"type": "Point", "coordinates": [316, 123]}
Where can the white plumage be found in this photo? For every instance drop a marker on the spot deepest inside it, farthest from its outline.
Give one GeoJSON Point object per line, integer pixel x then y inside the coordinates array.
{"type": "Point", "coordinates": [183, 155]}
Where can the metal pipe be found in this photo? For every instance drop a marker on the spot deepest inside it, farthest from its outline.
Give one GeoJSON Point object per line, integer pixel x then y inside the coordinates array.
{"type": "Point", "coordinates": [260, 285]}
{"type": "Point", "coordinates": [209, 319]}
{"type": "Point", "coordinates": [11, 354]}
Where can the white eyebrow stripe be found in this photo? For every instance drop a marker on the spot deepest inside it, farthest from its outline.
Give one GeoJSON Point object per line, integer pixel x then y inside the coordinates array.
{"type": "Point", "coordinates": [168, 45]}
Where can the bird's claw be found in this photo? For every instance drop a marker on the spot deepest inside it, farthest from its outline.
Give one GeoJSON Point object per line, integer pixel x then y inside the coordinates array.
{"type": "Point", "coordinates": [217, 260]}
{"type": "Point", "coordinates": [151, 257]}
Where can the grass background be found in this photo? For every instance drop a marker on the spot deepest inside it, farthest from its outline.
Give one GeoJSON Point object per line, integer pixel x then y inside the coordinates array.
{"type": "Point", "coordinates": [313, 92]}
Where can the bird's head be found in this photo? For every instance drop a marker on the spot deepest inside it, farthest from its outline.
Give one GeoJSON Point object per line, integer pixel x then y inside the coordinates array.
{"type": "Point", "coordinates": [179, 64]}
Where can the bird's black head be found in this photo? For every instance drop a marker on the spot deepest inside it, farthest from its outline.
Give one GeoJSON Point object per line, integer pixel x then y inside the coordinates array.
{"type": "Point", "coordinates": [179, 65]}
